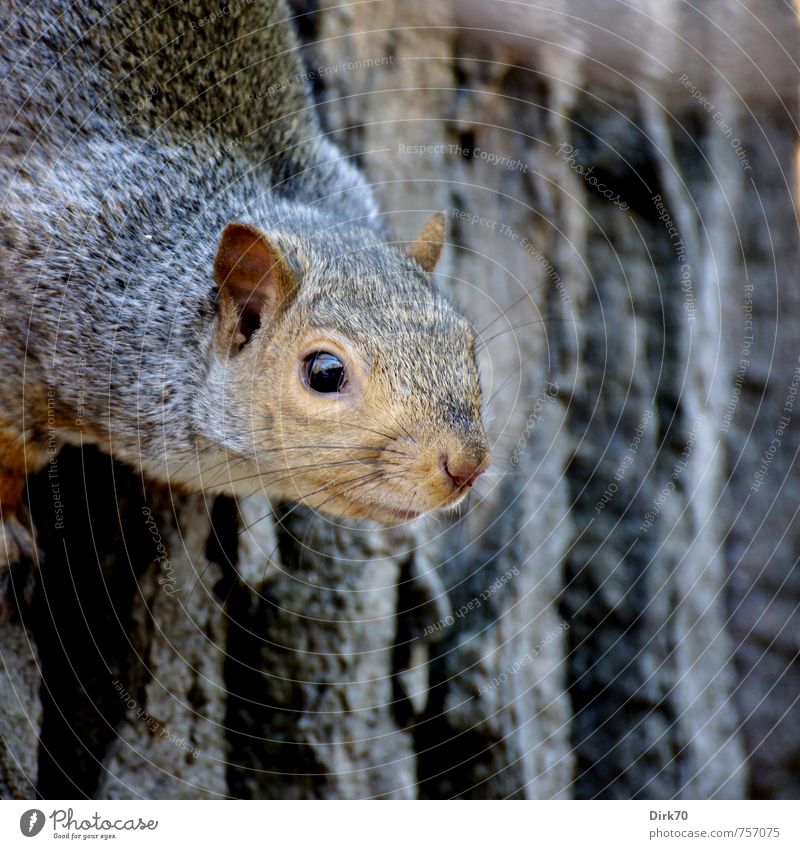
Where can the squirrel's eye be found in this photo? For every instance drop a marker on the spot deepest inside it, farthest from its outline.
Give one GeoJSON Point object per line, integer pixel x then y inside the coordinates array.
{"type": "Point", "coordinates": [324, 372]}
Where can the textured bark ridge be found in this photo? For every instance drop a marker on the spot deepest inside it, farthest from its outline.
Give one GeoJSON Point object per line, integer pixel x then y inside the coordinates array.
{"type": "Point", "coordinates": [616, 613]}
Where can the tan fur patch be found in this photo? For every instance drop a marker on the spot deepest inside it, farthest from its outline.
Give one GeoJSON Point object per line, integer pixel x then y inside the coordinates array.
{"type": "Point", "coordinates": [16, 457]}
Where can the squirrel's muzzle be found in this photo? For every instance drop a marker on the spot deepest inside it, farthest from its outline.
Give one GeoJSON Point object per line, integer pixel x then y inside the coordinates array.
{"type": "Point", "coordinates": [462, 471]}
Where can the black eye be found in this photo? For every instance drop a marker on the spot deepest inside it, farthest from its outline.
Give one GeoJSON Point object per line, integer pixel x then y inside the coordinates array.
{"type": "Point", "coordinates": [324, 372]}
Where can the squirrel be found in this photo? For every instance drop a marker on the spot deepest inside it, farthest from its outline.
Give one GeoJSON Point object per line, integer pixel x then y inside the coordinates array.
{"type": "Point", "coordinates": [196, 280]}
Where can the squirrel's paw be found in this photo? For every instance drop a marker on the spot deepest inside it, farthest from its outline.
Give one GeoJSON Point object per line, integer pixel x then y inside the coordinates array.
{"type": "Point", "coordinates": [19, 555]}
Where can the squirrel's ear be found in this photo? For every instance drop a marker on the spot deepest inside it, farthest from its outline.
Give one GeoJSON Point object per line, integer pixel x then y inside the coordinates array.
{"type": "Point", "coordinates": [427, 248]}
{"type": "Point", "coordinates": [254, 279]}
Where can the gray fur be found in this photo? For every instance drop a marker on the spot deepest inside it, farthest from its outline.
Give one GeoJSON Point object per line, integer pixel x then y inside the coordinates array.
{"type": "Point", "coordinates": [130, 139]}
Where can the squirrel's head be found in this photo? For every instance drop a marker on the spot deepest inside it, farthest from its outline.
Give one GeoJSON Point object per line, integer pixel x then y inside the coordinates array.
{"type": "Point", "coordinates": [350, 382]}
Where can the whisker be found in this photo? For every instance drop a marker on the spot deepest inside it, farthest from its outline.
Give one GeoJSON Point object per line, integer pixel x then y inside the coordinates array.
{"type": "Point", "coordinates": [290, 474]}
{"type": "Point", "coordinates": [350, 424]}
{"type": "Point", "coordinates": [411, 500]}
{"type": "Point", "coordinates": [399, 424]}
{"type": "Point", "coordinates": [237, 459]}
{"type": "Point", "coordinates": [371, 477]}
{"type": "Point", "coordinates": [231, 462]}
{"type": "Point", "coordinates": [327, 447]}
{"type": "Point", "coordinates": [302, 499]}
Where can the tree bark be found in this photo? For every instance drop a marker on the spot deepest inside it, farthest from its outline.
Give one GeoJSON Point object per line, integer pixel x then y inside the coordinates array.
{"type": "Point", "coordinates": [616, 613]}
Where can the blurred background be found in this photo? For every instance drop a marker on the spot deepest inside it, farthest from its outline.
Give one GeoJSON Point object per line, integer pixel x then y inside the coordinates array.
{"type": "Point", "coordinates": [616, 613]}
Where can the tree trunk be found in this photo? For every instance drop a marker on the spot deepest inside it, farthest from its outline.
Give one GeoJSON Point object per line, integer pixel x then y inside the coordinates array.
{"type": "Point", "coordinates": [608, 615]}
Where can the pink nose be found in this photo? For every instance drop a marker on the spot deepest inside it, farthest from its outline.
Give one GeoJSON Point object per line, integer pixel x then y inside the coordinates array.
{"type": "Point", "coordinates": [462, 473]}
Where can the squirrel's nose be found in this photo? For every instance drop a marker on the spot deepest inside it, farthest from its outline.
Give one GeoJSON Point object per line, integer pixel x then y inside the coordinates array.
{"type": "Point", "coordinates": [463, 471]}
